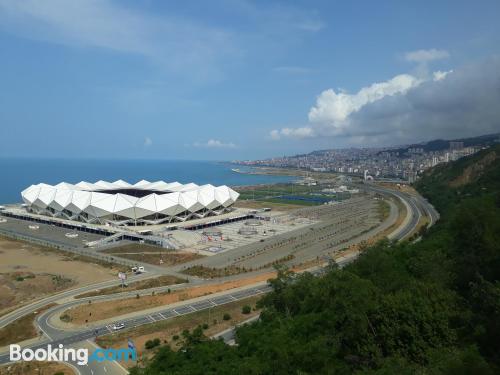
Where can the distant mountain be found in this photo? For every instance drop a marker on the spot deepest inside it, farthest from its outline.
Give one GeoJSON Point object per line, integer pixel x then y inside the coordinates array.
{"type": "Point", "coordinates": [434, 145]}
{"type": "Point", "coordinates": [441, 144]}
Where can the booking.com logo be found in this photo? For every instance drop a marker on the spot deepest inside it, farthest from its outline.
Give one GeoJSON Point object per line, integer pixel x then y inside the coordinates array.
{"type": "Point", "coordinates": [80, 356]}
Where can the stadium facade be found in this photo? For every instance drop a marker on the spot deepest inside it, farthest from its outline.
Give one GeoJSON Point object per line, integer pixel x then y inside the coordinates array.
{"type": "Point", "coordinates": [121, 203]}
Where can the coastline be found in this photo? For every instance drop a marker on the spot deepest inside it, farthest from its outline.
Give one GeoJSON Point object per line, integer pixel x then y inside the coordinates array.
{"type": "Point", "coordinates": [277, 171]}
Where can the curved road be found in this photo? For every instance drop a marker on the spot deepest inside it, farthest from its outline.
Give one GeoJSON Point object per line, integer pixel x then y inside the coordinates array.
{"type": "Point", "coordinates": [416, 205]}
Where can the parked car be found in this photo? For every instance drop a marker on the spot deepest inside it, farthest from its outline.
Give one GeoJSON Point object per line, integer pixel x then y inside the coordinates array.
{"type": "Point", "coordinates": [118, 326]}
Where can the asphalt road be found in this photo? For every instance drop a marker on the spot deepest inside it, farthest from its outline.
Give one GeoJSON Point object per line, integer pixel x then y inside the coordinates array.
{"type": "Point", "coordinates": [418, 206]}
{"type": "Point", "coordinates": [33, 307]}
{"type": "Point", "coordinates": [70, 339]}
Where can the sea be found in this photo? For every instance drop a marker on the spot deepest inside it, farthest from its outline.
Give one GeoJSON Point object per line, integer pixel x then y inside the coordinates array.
{"type": "Point", "coordinates": [18, 174]}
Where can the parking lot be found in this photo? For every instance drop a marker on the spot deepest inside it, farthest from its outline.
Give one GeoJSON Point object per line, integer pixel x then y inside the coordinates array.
{"type": "Point", "coordinates": [41, 233]}
{"type": "Point", "coordinates": [243, 233]}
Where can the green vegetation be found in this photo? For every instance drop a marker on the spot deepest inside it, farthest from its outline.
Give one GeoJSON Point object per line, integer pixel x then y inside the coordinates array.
{"type": "Point", "coordinates": [432, 307]}
{"type": "Point", "coordinates": [287, 194]}
{"type": "Point", "coordinates": [65, 318]}
{"type": "Point", "coordinates": [150, 344]}
{"type": "Point", "coordinates": [210, 273]}
{"type": "Point", "coordinates": [21, 329]}
{"type": "Point", "coordinates": [246, 310]}
{"type": "Point", "coordinates": [384, 209]}
{"type": "Point", "coordinates": [137, 285]}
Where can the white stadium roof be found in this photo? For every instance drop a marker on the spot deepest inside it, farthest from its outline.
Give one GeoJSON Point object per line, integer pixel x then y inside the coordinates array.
{"type": "Point", "coordinates": [123, 203]}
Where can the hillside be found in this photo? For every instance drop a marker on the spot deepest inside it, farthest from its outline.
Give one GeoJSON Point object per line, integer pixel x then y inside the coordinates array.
{"type": "Point", "coordinates": [453, 183]}
{"type": "Point", "coordinates": [432, 307]}
{"type": "Point", "coordinates": [434, 145]}
{"type": "Point", "coordinates": [442, 144]}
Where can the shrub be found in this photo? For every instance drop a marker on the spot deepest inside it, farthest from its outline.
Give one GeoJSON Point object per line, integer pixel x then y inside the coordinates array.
{"type": "Point", "coordinates": [246, 309]}
{"type": "Point", "coordinates": [150, 344]}
{"type": "Point", "coordinates": [65, 318]}
{"type": "Point", "coordinates": [226, 316]}
{"type": "Point", "coordinates": [204, 326]}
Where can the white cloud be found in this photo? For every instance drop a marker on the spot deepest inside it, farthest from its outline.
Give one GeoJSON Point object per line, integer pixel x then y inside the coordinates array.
{"type": "Point", "coordinates": [458, 103]}
{"type": "Point", "coordinates": [299, 133]}
{"type": "Point", "coordinates": [336, 107]}
{"type": "Point", "coordinates": [426, 55]}
{"type": "Point", "coordinates": [275, 135]}
{"type": "Point", "coordinates": [196, 46]}
{"type": "Point", "coordinates": [439, 75]}
{"type": "Point", "coordinates": [169, 41]}
{"type": "Point", "coordinates": [148, 142]}
{"type": "Point", "coordinates": [332, 109]}
{"type": "Point", "coordinates": [214, 143]}
{"type": "Point", "coordinates": [331, 114]}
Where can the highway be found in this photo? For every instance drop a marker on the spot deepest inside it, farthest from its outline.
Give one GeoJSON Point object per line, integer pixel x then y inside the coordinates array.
{"type": "Point", "coordinates": [416, 207]}
{"type": "Point", "coordinates": [68, 339]}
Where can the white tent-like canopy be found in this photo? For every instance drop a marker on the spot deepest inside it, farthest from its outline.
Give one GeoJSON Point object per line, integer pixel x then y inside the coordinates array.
{"type": "Point", "coordinates": [128, 204]}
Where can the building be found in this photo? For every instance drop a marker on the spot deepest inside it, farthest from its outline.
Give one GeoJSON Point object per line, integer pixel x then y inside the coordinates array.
{"type": "Point", "coordinates": [456, 145]}
{"type": "Point", "coordinates": [121, 203]}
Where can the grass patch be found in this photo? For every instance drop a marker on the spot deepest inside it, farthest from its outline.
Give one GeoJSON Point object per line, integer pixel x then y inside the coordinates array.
{"type": "Point", "coordinates": [21, 329]}
{"type": "Point", "coordinates": [152, 255]}
{"type": "Point", "coordinates": [36, 368]}
{"type": "Point", "coordinates": [209, 273]}
{"type": "Point", "coordinates": [170, 330]}
{"type": "Point", "coordinates": [137, 285]}
{"type": "Point", "coordinates": [384, 210]}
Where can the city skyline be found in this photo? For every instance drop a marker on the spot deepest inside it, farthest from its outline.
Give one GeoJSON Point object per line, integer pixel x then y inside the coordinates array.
{"type": "Point", "coordinates": [404, 163]}
{"type": "Point", "coordinates": [242, 80]}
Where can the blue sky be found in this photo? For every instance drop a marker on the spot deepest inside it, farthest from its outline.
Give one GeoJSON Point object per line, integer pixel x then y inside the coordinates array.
{"type": "Point", "coordinates": [242, 79]}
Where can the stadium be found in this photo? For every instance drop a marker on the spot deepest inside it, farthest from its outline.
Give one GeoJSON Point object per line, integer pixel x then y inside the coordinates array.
{"type": "Point", "coordinates": [124, 204]}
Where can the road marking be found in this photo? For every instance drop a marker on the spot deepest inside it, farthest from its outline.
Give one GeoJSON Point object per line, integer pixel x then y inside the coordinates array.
{"type": "Point", "coordinates": [233, 298]}
{"type": "Point", "coordinates": [175, 312]}
{"type": "Point", "coordinates": [152, 319]}
{"type": "Point", "coordinates": [109, 329]}
{"type": "Point", "coordinates": [161, 315]}
{"type": "Point", "coordinates": [104, 367]}
{"type": "Point", "coordinates": [92, 371]}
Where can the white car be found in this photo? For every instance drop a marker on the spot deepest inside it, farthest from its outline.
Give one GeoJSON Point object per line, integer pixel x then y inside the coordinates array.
{"type": "Point", "coordinates": [138, 269]}
{"type": "Point", "coordinates": [118, 326]}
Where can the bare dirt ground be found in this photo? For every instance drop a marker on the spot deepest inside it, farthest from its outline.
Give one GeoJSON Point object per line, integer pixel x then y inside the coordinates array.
{"type": "Point", "coordinates": [104, 310]}
{"type": "Point", "coordinates": [36, 368]}
{"type": "Point", "coordinates": [29, 271]}
{"type": "Point", "coordinates": [153, 255]}
{"type": "Point", "coordinates": [258, 205]}
{"type": "Point", "coordinates": [403, 187]}
{"type": "Point", "coordinates": [170, 331]}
